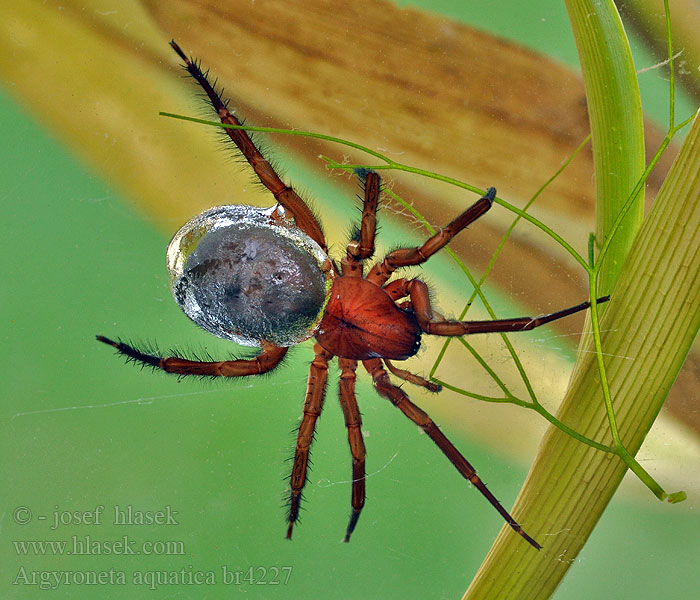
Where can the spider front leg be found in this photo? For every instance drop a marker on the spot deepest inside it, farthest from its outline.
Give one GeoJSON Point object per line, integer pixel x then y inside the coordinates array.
{"type": "Point", "coordinates": [313, 405]}
{"type": "Point", "coordinates": [353, 422]}
{"type": "Point", "coordinates": [400, 399]}
{"type": "Point", "coordinates": [420, 303]}
{"type": "Point", "coordinates": [268, 359]}
{"type": "Point", "coordinates": [406, 257]}
{"type": "Point", "coordinates": [363, 247]}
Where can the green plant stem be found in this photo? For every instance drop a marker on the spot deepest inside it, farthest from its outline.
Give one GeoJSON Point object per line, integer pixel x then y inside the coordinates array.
{"type": "Point", "coordinates": [617, 130]}
{"type": "Point", "coordinates": [653, 320]}
{"type": "Point", "coordinates": [595, 274]}
{"type": "Point", "coordinates": [558, 494]}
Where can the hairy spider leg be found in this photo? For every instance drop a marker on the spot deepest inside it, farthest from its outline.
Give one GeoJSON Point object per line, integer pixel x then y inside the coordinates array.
{"type": "Point", "coordinates": [420, 304]}
{"type": "Point", "coordinates": [313, 405]}
{"type": "Point", "coordinates": [359, 250]}
{"type": "Point", "coordinates": [283, 194]}
{"type": "Point", "coordinates": [400, 399]}
{"type": "Point", "coordinates": [368, 225]}
{"type": "Point", "coordinates": [268, 359]}
{"type": "Point", "coordinates": [353, 423]}
{"type": "Point", "coordinates": [406, 257]}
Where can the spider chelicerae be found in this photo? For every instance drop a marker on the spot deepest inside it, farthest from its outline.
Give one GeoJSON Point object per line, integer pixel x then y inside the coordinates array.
{"type": "Point", "coordinates": [263, 277]}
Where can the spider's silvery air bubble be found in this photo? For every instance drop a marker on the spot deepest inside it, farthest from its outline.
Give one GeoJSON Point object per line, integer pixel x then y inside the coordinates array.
{"type": "Point", "coordinates": [244, 276]}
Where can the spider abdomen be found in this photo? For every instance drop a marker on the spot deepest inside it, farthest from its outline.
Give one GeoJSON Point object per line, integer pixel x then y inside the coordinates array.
{"type": "Point", "coordinates": [243, 275]}
{"type": "Point", "coordinates": [361, 321]}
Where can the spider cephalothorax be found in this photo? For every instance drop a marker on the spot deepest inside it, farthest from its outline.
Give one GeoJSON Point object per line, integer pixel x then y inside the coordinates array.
{"type": "Point", "coordinates": [263, 278]}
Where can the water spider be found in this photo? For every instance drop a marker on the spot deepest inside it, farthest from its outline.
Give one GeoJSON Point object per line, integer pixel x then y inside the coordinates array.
{"type": "Point", "coordinates": [263, 277]}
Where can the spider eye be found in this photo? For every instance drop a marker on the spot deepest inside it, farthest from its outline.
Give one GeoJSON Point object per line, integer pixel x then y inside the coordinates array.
{"type": "Point", "coordinates": [244, 276]}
